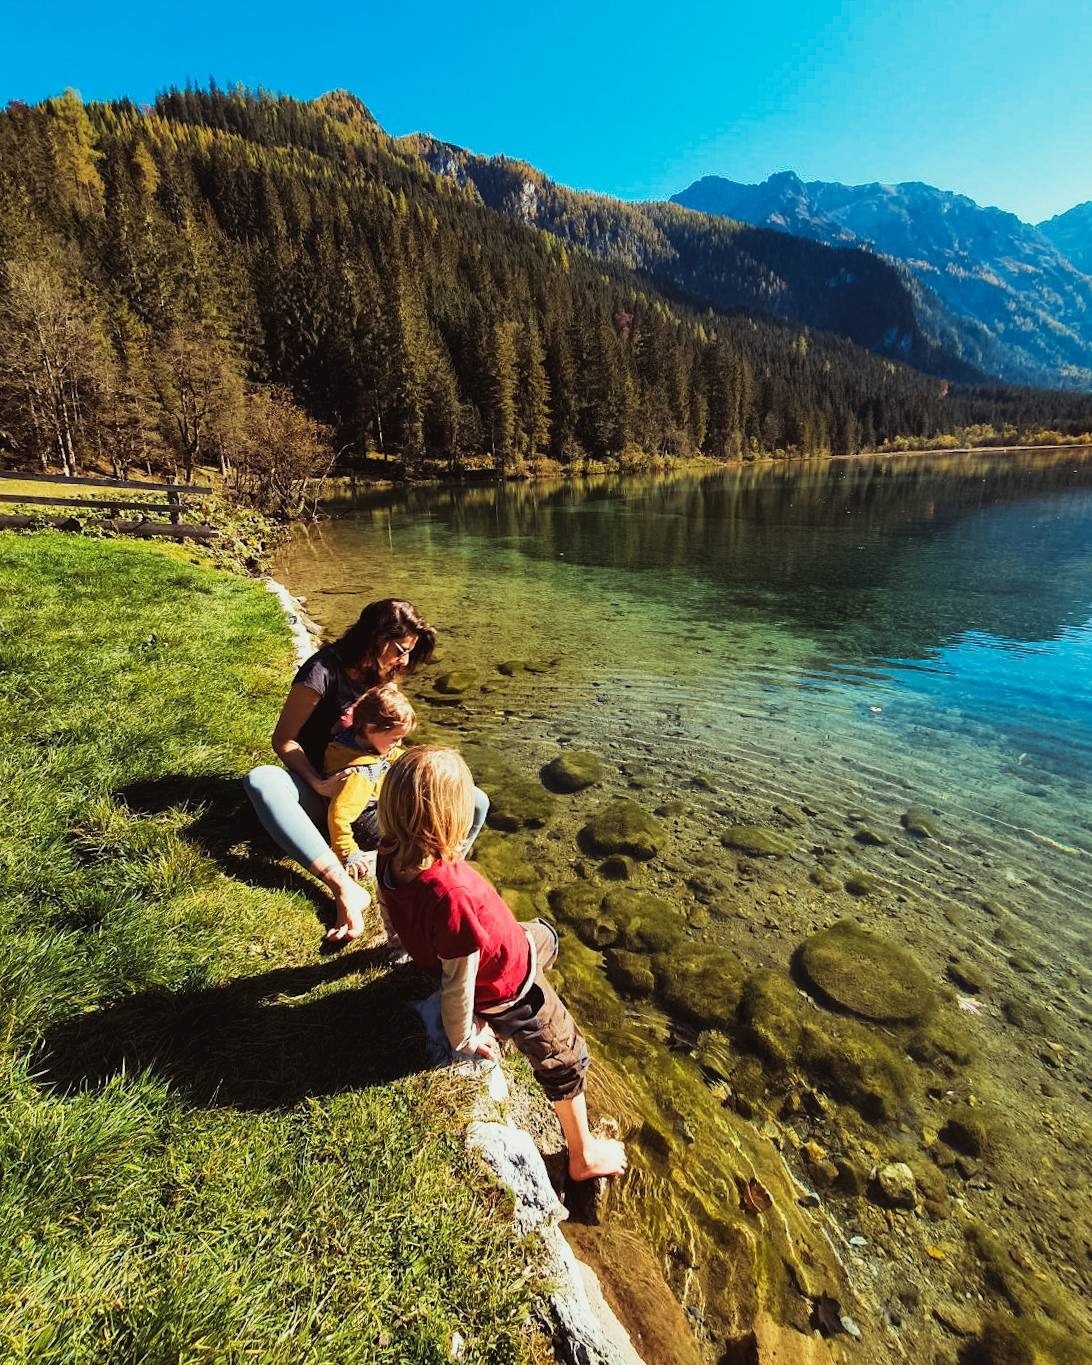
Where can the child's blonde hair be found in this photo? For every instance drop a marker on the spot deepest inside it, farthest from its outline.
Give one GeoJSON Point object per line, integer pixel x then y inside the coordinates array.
{"type": "Point", "coordinates": [383, 708]}
{"type": "Point", "coordinates": [426, 805]}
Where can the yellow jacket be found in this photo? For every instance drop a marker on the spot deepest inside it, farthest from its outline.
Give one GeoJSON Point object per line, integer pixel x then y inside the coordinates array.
{"type": "Point", "coordinates": [362, 788]}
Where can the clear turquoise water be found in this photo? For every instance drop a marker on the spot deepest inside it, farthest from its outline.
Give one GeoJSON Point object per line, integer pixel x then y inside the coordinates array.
{"type": "Point", "coordinates": [853, 637]}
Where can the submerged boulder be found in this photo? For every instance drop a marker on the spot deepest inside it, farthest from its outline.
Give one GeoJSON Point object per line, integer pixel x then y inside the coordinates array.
{"type": "Point", "coordinates": [642, 922]}
{"type": "Point", "coordinates": [572, 771]}
{"type": "Point", "coordinates": [921, 822]}
{"type": "Point", "coordinates": [622, 826]}
{"type": "Point", "coordinates": [630, 972]}
{"type": "Point", "coordinates": [758, 840]}
{"type": "Point", "coordinates": [452, 684]}
{"type": "Point", "coordinates": [859, 971]}
{"type": "Point", "coordinates": [700, 983]}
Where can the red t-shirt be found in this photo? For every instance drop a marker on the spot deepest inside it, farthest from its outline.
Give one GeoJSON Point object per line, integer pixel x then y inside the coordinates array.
{"type": "Point", "coordinates": [449, 910]}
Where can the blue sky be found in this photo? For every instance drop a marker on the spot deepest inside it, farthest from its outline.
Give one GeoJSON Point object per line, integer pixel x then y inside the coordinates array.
{"type": "Point", "coordinates": [987, 97]}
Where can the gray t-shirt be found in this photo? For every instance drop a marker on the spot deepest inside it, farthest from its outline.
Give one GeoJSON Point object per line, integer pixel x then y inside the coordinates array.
{"type": "Point", "coordinates": [325, 674]}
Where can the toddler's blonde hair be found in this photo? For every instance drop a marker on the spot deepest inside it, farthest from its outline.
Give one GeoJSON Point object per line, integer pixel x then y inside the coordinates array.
{"type": "Point", "coordinates": [383, 708]}
{"type": "Point", "coordinates": [426, 805]}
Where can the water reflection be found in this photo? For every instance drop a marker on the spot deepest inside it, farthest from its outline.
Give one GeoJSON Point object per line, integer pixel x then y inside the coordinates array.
{"type": "Point", "coordinates": [878, 559]}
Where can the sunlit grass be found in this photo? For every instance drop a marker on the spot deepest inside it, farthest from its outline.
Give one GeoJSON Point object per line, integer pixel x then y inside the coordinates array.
{"type": "Point", "coordinates": [214, 1144]}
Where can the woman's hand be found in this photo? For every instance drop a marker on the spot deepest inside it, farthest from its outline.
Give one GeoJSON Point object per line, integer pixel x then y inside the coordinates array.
{"type": "Point", "coordinates": [330, 786]}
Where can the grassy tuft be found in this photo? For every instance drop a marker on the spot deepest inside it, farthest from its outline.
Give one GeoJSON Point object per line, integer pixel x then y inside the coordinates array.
{"type": "Point", "coordinates": [214, 1143]}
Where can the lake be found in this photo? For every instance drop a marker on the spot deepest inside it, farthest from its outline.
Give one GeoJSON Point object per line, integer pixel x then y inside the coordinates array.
{"type": "Point", "coordinates": [883, 666]}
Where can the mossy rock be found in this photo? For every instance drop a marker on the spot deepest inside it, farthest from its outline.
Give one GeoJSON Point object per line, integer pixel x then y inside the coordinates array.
{"type": "Point", "coordinates": [855, 1066]}
{"type": "Point", "coordinates": [540, 665]}
{"type": "Point", "coordinates": [771, 1015]}
{"type": "Point", "coordinates": [518, 803]}
{"type": "Point", "coordinates": [524, 903]}
{"type": "Point", "coordinates": [630, 972]}
{"type": "Point", "coordinates": [859, 971]}
{"type": "Point", "coordinates": [616, 868]}
{"type": "Point", "coordinates": [921, 822]}
{"type": "Point", "coordinates": [941, 1044]}
{"type": "Point", "coordinates": [1023, 965]}
{"type": "Point", "coordinates": [1028, 1016]}
{"type": "Point", "coordinates": [575, 900]}
{"type": "Point", "coordinates": [622, 826]}
{"type": "Point", "coordinates": [672, 810]}
{"type": "Point", "coordinates": [1005, 1340]}
{"type": "Point", "coordinates": [968, 1130]}
{"type": "Point", "coordinates": [874, 837]}
{"type": "Point", "coordinates": [967, 975]}
{"type": "Point", "coordinates": [824, 880]}
{"type": "Point", "coordinates": [861, 883]}
{"type": "Point", "coordinates": [503, 861]}
{"type": "Point", "coordinates": [594, 1002]}
{"type": "Point", "coordinates": [643, 922]}
{"type": "Point", "coordinates": [572, 771]}
{"type": "Point", "coordinates": [791, 814]}
{"type": "Point", "coordinates": [455, 683]}
{"type": "Point", "coordinates": [703, 782]}
{"type": "Point", "coordinates": [757, 840]}
{"type": "Point", "coordinates": [510, 667]}
{"type": "Point", "coordinates": [700, 983]}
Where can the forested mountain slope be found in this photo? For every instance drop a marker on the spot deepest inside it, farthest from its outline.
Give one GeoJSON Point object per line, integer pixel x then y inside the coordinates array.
{"type": "Point", "coordinates": [209, 277]}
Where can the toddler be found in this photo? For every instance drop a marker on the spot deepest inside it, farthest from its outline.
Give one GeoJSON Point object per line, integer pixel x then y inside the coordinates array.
{"type": "Point", "coordinates": [452, 923]}
{"type": "Point", "coordinates": [365, 748]}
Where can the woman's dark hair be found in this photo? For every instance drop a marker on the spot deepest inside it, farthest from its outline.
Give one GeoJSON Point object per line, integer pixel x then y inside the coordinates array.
{"type": "Point", "coordinates": [380, 622]}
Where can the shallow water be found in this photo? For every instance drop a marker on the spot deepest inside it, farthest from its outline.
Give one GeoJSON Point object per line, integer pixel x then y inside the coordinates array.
{"type": "Point", "coordinates": [848, 638]}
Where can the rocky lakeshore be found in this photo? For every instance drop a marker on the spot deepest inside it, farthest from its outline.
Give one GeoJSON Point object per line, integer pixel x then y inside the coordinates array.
{"type": "Point", "coordinates": [854, 1087]}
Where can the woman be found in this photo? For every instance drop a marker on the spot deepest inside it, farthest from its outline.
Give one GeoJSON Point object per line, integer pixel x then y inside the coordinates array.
{"type": "Point", "coordinates": [386, 643]}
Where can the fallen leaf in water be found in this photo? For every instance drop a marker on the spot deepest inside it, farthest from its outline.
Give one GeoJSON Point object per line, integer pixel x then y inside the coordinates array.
{"type": "Point", "coordinates": [756, 1198]}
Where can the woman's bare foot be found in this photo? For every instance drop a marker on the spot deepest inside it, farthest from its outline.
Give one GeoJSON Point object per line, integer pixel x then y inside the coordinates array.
{"type": "Point", "coordinates": [599, 1156]}
{"type": "Point", "coordinates": [351, 901]}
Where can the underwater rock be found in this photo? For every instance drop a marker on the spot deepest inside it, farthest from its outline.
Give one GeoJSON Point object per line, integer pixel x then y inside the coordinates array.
{"type": "Point", "coordinates": [643, 922]}
{"type": "Point", "coordinates": [575, 900]}
{"type": "Point", "coordinates": [967, 1130]}
{"type": "Point", "coordinates": [622, 826]}
{"type": "Point", "coordinates": [518, 803]}
{"type": "Point", "coordinates": [572, 771]}
{"type": "Point", "coordinates": [1027, 1015]}
{"type": "Point", "coordinates": [855, 1065]}
{"type": "Point", "coordinates": [451, 684]}
{"type": "Point", "coordinates": [510, 667]}
{"type": "Point", "coordinates": [1005, 1340]}
{"type": "Point", "coordinates": [771, 1014]}
{"type": "Point", "coordinates": [630, 972]}
{"type": "Point", "coordinates": [861, 972]}
{"type": "Point", "coordinates": [897, 1185]}
{"type": "Point", "coordinates": [959, 1320]}
{"type": "Point", "coordinates": [672, 809]}
{"type": "Point", "coordinates": [867, 835]}
{"type": "Point", "coordinates": [861, 883]}
{"type": "Point", "coordinates": [700, 983]}
{"type": "Point", "coordinates": [941, 1044]}
{"type": "Point", "coordinates": [792, 815]}
{"type": "Point", "coordinates": [503, 861]}
{"type": "Point", "coordinates": [616, 868]}
{"type": "Point", "coordinates": [824, 880]}
{"type": "Point", "coordinates": [920, 821]}
{"type": "Point", "coordinates": [967, 975]}
{"type": "Point", "coordinates": [757, 840]}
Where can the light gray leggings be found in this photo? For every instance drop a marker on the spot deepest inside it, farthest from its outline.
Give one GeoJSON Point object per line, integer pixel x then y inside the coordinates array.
{"type": "Point", "coordinates": [294, 815]}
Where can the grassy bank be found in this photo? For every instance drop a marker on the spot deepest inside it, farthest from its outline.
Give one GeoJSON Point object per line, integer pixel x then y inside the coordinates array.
{"type": "Point", "coordinates": [214, 1143]}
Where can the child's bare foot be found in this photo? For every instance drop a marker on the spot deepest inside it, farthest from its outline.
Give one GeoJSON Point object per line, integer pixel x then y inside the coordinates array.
{"type": "Point", "coordinates": [600, 1156]}
{"type": "Point", "coordinates": [351, 900]}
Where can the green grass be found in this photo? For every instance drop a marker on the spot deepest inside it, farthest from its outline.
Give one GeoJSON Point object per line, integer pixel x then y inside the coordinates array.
{"type": "Point", "coordinates": [215, 1144]}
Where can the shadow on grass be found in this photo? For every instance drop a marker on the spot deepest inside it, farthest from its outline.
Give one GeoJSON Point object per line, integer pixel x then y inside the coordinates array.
{"type": "Point", "coordinates": [258, 1042]}
{"type": "Point", "coordinates": [223, 825]}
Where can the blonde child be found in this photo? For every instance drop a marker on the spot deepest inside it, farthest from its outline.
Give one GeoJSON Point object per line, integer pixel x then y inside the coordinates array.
{"type": "Point", "coordinates": [452, 923]}
{"type": "Point", "coordinates": [365, 749]}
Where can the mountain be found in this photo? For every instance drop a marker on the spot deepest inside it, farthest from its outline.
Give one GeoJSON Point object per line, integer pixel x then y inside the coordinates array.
{"type": "Point", "coordinates": [175, 263]}
{"type": "Point", "coordinates": [1071, 233]}
{"type": "Point", "coordinates": [999, 291]}
{"type": "Point", "coordinates": [729, 267]}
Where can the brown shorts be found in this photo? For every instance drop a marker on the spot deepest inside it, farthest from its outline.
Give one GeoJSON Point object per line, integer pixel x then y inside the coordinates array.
{"type": "Point", "coordinates": [540, 1026]}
